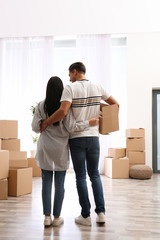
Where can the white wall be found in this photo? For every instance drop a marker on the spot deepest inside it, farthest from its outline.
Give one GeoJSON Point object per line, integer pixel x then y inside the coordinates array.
{"type": "Point", "coordinates": [20, 18]}
{"type": "Point", "coordinates": [143, 60]}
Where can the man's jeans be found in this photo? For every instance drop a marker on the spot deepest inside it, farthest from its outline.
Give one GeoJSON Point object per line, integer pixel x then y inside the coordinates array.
{"type": "Point", "coordinates": [85, 154]}
{"type": "Point", "coordinates": [47, 177]}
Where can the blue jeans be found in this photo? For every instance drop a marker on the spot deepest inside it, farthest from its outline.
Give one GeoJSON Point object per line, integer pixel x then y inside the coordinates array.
{"type": "Point", "coordinates": [85, 155]}
{"type": "Point", "coordinates": [47, 177]}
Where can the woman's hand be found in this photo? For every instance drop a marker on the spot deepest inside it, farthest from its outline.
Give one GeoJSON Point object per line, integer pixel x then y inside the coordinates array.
{"type": "Point", "coordinates": [93, 121]}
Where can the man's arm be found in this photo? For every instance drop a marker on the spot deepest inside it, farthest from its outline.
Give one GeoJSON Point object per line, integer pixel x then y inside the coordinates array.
{"type": "Point", "coordinates": [56, 116]}
{"type": "Point", "coordinates": [111, 100]}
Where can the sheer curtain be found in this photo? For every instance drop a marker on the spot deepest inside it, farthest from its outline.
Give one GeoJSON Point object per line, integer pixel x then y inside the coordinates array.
{"type": "Point", "coordinates": [26, 64]}
{"type": "Point", "coordinates": [95, 52]}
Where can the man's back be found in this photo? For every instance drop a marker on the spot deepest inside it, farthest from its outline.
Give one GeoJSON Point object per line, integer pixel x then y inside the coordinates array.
{"type": "Point", "coordinates": [85, 97]}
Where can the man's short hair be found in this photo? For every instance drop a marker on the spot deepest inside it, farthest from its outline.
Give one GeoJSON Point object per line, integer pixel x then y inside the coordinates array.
{"type": "Point", "coordinates": [79, 66]}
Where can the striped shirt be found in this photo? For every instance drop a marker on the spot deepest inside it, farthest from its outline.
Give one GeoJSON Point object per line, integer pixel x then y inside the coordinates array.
{"type": "Point", "coordinates": [85, 97]}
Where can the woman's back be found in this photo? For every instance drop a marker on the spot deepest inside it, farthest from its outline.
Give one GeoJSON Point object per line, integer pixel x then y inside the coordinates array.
{"type": "Point", "coordinates": [52, 146]}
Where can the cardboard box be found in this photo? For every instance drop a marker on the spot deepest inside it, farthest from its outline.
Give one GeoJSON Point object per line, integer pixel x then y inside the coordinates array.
{"type": "Point", "coordinates": [11, 144]}
{"type": "Point", "coordinates": [136, 157]}
{"type": "Point", "coordinates": [17, 155]}
{"type": "Point", "coordinates": [135, 144]}
{"type": "Point", "coordinates": [135, 133]}
{"type": "Point", "coordinates": [116, 167]}
{"type": "Point", "coordinates": [8, 129]}
{"type": "Point", "coordinates": [36, 169]}
{"type": "Point", "coordinates": [109, 122]}
{"type": "Point", "coordinates": [116, 152]}
{"type": "Point", "coordinates": [23, 163]}
{"type": "Point", "coordinates": [4, 189]}
{"type": "Point", "coordinates": [0, 144]}
{"type": "Point", "coordinates": [20, 182]}
{"type": "Point", "coordinates": [4, 164]}
{"type": "Point", "coordinates": [18, 159]}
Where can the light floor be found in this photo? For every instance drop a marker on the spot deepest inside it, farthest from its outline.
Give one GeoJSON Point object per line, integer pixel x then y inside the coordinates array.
{"type": "Point", "coordinates": [132, 212]}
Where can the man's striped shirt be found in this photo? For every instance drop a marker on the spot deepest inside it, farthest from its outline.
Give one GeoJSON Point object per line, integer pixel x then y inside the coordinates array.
{"type": "Point", "coordinates": [85, 97]}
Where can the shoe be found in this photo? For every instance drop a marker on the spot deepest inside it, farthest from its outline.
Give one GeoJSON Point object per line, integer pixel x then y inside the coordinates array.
{"type": "Point", "coordinates": [57, 221]}
{"type": "Point", "coordinates": [83, 221]}
{"type": "Point", "coordinates": [47, 221]}
{"type": "Point", "coordinates": [100, 218]}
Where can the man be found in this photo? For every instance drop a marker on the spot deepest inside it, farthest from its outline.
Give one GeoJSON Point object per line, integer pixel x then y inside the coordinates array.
{"type": "Point", "coordinates": [84, 97]}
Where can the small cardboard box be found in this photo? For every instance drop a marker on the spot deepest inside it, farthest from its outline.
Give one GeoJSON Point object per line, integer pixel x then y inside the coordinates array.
{"type": "Point", "coordinates": [17, 155]}
{"type": "Point", "coordinates": [36, 169]}
{"type": "Point", "coordinates": [135, 133]}
{"type": "Point", "coordinates": [11, 144]}
{"type": "Point", "coordinates": [18, 159]}
{"type": "Point", "coordinates": [4, 164]}
{"type": "Point", "coordinates": [20, 163]}
{"type": "Point", "coordinates": [135, 144]}
{"type": "Point", "coordinates": [136, 157]}
{"type": "Point", "coordinates": [20, 181]}
{"type": "Point", "coordinates": [4, 189]}
{"type": "Point", "coordinates": [116, 167]}
{"type": "Point", "coordinates": [116, 152]}
{"type": "Point", "coordinates": [8, 129]}
{"type": "Point", "coordinates": [109, 121]}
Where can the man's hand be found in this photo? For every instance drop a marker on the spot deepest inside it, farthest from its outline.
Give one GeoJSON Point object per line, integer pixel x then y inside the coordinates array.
{"type": "Point", "coordinates": [93, 121]}
{"type": "Point", "coordinates": [43, 125]}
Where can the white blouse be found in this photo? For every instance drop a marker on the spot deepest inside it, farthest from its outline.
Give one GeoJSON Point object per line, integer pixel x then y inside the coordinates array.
{"type": "Point", "coordinates": [52, 146]}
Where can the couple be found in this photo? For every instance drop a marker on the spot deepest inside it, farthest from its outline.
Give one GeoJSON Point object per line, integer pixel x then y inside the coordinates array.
{"type": "Point", "coordinates": [70, 114]}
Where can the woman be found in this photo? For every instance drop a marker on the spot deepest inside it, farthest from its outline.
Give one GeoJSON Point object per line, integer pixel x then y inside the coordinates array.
{"type": "Point", "coordinates": [52, 149]}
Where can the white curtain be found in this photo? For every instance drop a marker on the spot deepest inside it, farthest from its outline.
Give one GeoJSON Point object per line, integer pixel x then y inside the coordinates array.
{"type": "Point", "coordinates": [26, 64]}
{"type": "Point", "coordinates": [95, 52]}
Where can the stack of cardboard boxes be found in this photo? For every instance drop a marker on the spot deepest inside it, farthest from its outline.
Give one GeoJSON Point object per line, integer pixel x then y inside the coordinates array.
{"type": "Point", "coordinates": [15, 175]}
{"type": "Point", "coordinates": [135, 146]}
{"type": "Point", "coordinates": [116, 165]}
{"type": "Point", "coordinates": [4, 173]}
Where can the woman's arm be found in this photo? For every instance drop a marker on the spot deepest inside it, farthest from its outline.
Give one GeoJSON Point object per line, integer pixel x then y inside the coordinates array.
{"type": "Point", "coordinates": [73, 126]}
{"type": "Point", "coordinates": [36, 122]}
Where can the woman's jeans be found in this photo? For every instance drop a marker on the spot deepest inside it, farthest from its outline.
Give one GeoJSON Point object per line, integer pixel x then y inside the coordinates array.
{"type": "Point", "coordinates": [85, 155]}
{"type": "Point", "coordinates": [47, 177]}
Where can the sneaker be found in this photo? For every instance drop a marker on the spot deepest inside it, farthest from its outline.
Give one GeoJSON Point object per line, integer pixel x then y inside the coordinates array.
{"type": "Point", "coordinates": [57, 221]}
{"type": "Point", "coordinates": [83, 221]}
{"type": "Point", "coordinates": [100, 218]}
{"type": "Point", "coordinates": [47, 221]}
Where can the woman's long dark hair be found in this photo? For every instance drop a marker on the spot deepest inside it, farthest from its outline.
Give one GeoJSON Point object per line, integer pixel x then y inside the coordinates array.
{"type": "Point", "coordinates": [53, 95]}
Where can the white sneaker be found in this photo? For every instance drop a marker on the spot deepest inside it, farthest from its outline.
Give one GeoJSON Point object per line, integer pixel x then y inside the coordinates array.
{"type": "Point", "coordinates": [47, 221]}
{"type": "Point", "coordinates": [83, 221]}
{"type": "Point", "coordinates": [57, 221]}
{"type": "Point", "coordinates": [100, 218]}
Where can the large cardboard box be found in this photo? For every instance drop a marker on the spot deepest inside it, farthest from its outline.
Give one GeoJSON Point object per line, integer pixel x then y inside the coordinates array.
{"type": "Point", "coordinates": [18, 159]}
{"type": "Point", "coordinates": [4, 189]}
{"type": "Point", "coordinates": [8, 129]}
{"type": "Point", "coordinates": [11, 144]}
{"type": "Point", "coordinates": [19, 181]}
{"type": "Point", "coordinates": [116, 167]}
{"type": "Point", "coordinates": [109, 121]}
{"type": "Point", "coordinates": [116, 152]}
{"type": "Point", "coordinates": [36, 169]}
{"type": "Point", "coordinates": [4, 164]}
{"type": "Point", "coordinates": [135, 144]}
{"type": "Point", "coordinates": [136, 157]}
{"type": "Point", "coordinates": [135, 133]}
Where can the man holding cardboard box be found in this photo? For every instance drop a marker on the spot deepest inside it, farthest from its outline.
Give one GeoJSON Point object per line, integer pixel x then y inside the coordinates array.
{"type": "Point", "coordinates": [84, 97]}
